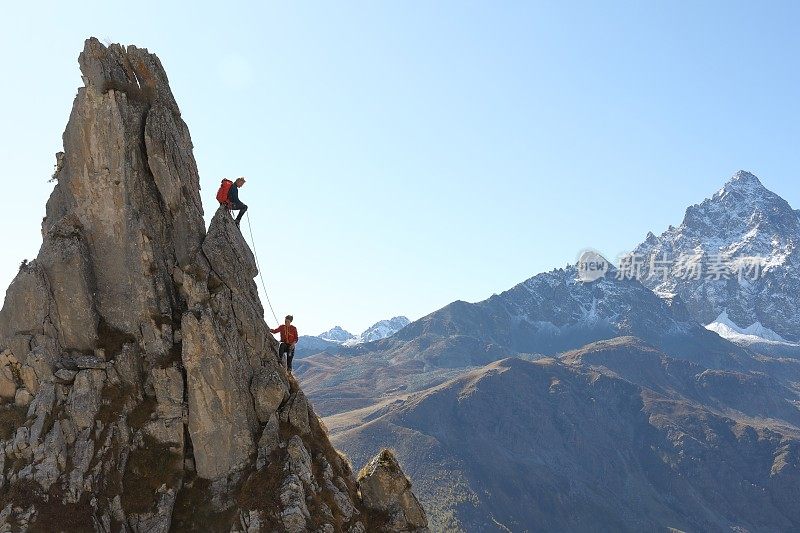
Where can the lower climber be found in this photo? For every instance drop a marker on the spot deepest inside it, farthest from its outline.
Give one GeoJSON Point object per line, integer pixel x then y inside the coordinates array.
{"type": "Point", "coordinates": [288, 341]}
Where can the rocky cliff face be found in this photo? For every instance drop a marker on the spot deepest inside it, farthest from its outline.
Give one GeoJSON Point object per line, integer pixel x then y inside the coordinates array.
{"type": "Point", "coordinates": [141, 385]}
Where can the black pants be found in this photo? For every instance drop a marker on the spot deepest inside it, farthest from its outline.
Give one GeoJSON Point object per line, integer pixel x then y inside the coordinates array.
{"type": "Point", "coordinates": [287, 349]}
{"type": "Point", "coordinates": [239, 206]}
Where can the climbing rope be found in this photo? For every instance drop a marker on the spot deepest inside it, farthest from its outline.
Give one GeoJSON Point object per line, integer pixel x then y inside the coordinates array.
{"type": "Point", "coordinates": [260, 275]}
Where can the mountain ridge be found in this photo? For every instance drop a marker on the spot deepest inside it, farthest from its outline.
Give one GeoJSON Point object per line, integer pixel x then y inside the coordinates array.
{"type": "Point", "coordinates": [544, 314]}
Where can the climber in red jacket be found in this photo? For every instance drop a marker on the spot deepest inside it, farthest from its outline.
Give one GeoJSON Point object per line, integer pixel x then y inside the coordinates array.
{"type": "Point", "coordinates": [288, 340]}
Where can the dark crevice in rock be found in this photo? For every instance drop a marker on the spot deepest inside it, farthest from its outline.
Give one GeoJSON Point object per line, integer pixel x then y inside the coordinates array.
{"type": "Point", "coordinates": [111, 340]}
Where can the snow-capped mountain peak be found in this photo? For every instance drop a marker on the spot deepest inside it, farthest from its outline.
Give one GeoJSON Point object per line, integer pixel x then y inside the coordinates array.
{"type": "Point", "coordinates": [750, 237]}
{"type": "Point", "coordinates": [744, 182]}
{"type": "Point", "coordinates": [336, 334]}
{"type": "Point", "coordinates": [742, 204]}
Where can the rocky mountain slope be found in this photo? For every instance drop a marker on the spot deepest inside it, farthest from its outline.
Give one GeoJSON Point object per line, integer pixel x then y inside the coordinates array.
{"type": "Point", "coordinates": [616, 436]}
{"type": "Point", "coordinates": [141, 387]}
{"type": "Point", "coordinates": [742, 220]}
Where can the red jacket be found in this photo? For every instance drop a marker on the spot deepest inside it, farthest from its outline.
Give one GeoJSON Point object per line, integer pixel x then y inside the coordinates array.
{"type": "Point", "coordinates": [290, 337]}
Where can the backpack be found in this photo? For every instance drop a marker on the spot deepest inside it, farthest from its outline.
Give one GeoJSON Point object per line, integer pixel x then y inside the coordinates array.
{"type": "Point", "coordinates": [222, 193]}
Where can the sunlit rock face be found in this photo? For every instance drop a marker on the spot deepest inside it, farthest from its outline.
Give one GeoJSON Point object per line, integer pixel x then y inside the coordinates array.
{"type": "Point", "coordinates": [140, 385]}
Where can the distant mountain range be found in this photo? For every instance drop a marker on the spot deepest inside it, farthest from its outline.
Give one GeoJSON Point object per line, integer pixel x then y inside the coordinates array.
{"type": "Point", "coordinates": [379, 330]}
{"type": "Point", "coordinates": [548, 314]}
{"type": "Point", "coordinates": [628, 403]}
{"type": "Point", "coordinates": [337, 337]}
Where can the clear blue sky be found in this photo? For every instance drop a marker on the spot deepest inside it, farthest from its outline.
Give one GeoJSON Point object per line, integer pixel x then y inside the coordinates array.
{"type": "Point", "coordinates": [405, 154]}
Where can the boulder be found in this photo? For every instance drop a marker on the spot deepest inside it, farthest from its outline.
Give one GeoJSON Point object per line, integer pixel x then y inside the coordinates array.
{"type": "Point", "coordinates": [42, 363]}
{"type": "Point", "coordinates": [40, 409]}
{"type": "Point", "coordinates": [299, 462]}
{"type": "Point", "coordinates": [269, 389]}
{"type": "Point", "coordinates": [385, 488]}
{"type": "Point", "coordinates": [168, 385]}
{"type": "Point", "coordinates": [295, 412]}
{"type": "Point", "coordinates": [84, 399]}
{"type": "Point", "coordinates": [294, 514]}
{"type": "Point", "coordinates": [23, 398]}
{"type": "Point", "coordinates": [64, 375]}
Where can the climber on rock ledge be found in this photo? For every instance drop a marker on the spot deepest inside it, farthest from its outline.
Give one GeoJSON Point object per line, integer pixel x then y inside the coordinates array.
{"type": "Point", "coordinates": [233, 199]}
{"type": "Point", "coordinates": [288, 341]}
{"type": "Point", "coordinates": [228, 195]}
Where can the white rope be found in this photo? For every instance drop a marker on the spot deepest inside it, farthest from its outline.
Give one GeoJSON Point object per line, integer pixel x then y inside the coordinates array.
{"type": "Point", "coordinates": [260, 275]}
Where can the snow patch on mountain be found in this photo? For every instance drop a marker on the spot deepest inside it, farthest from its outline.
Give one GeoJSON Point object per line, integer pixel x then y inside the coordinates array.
{"type": "Point", "coordinates": [756, 332]}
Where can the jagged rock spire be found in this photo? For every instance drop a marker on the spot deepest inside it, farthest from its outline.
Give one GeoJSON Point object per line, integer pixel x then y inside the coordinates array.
{"type": "Point", "coordinates": [146, 388]}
